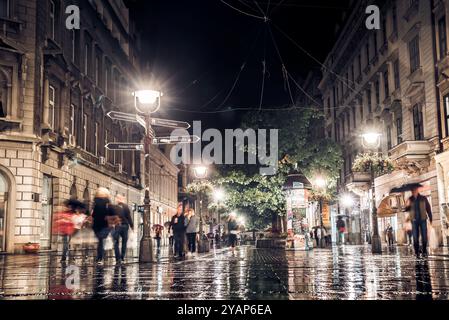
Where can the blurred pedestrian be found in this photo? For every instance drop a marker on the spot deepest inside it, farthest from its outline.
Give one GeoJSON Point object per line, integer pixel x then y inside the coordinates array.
{"type": "Point", "coordinates": [179, 232]}
{"type": "Point", "coordinates": [121, 229]}
{"type": "Point", "coordinates": [101, 215]}
{"type": "Point", "coordinates": [341, 229]}
{"type": "Point", "coordinates": [67, 222]}
{"type": "Point", "coordinates": [158, 236]}
{"type": "Point", "coordinates": [409, 231]}
{"type": "Point", "coordinates": [420, 211]}
{"type": "Point", "coordinates": [390, 236]}
{"type": "Point", "coordinates": [192, 228]}
{"type": "Point", "coordinates": [233, 231]}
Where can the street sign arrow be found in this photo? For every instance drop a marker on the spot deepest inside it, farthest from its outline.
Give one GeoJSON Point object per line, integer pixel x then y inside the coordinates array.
{"type": "Point", "coordinates": [121, 116]}
{"type": "Point", "coordinates": [125, 146]}
{"type": "Point", "coordinates": [175, 140]}
{"type": "Point", "coordinates": [169, 123]}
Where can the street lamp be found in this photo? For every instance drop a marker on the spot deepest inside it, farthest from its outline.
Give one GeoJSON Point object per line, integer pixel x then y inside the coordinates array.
{"type": "Point", "coordinates": [321, 184]}
{"type": "Point", "coordinates": [201, 173]}
{"type": "Point", "coordinates": [147, 102]}
{"type": "Point", "coordinates": [371, 141]}
{"type": "Point", "coordinates": [347, 201]}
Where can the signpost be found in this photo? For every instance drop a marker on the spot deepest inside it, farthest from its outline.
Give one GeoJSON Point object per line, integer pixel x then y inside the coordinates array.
{"type": "Point", "coordinates": [169, 123]}
{"type": "Point", "coordinates": [124, 146]}
{"type": "Point", "coordinates": [176, 139]}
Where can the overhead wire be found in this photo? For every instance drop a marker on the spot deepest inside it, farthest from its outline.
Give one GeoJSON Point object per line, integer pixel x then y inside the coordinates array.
{"type": "Point", "coordinates": [242, 12]}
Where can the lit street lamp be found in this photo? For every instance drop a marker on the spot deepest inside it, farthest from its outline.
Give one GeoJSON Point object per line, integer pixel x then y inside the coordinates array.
{"type": "Point", "coordinates": [371, 141]}
{"type": "Point", "coordinates": [321, 184]}
{"type": "Point", "coordinates": [201, 173]}
{"type": "Point", "coordinates": [147, 102]}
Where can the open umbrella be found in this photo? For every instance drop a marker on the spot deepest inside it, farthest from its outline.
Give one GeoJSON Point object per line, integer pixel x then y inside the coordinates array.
{"type": "Point", "coordinates": [158, 226]}
{"type": "Point", "coordinates": [167, 224]}
{"type": "Point", "coordinates": [406, 187]}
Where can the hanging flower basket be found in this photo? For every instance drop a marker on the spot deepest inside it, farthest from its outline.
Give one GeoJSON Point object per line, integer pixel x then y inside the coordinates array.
{"type": "Point", "coordinates": [365, 162]}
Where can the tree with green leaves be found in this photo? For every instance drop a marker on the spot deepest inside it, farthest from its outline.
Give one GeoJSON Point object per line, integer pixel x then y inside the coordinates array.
{"type": "Point", "coordinates": [301, 145]}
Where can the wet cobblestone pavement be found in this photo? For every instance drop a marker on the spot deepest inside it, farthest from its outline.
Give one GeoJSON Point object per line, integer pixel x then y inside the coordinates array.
{"type": "Point", "coordinates": [349, 273]}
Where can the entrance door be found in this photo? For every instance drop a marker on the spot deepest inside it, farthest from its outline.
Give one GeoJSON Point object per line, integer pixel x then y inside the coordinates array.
{"type": "Point", "coordinates": [3, 211]}
{"type": "Point", "coordinates": [47, 212]}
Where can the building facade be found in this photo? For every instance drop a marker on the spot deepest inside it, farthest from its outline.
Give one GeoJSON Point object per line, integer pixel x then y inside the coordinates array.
{"type": "Point", "coordinates": [56, 88]}
{"type": "Point", "coordinates": [387, 77]}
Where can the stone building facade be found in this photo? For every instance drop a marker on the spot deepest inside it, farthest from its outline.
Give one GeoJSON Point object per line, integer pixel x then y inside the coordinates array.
{"type": "Point", "coordinates": [387, 77]}
{"type": "Point", "coordinates": [56, 88]}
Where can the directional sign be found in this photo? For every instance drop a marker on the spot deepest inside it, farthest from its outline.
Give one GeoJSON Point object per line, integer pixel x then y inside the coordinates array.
{"type": "Point", "coordinates": [175, 140]}
{"type": "Point", "coordinates": [121, 116]}
{"type": "Point", "coordinates": [119, 146]}
{"type": "Point", "coordinates": [169, 123]}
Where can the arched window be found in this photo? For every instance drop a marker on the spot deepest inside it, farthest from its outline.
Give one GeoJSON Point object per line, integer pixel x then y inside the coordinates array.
{"type": "Point", "coordinates": [86, 199]}
{"type": "Point", "coordinates": [5, 85]}
{"type": "Point", "coordinates": [73, 192]}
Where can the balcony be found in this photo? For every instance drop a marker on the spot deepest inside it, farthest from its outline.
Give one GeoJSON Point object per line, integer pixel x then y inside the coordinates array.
{"type": "Point", "coordinates": [358, 182]}
{"type": "Point", "coordinates": [412, 156]}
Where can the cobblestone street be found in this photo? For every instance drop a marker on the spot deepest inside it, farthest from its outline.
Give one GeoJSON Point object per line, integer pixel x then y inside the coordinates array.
{"type": "Point", "coordinates": [344, 273]}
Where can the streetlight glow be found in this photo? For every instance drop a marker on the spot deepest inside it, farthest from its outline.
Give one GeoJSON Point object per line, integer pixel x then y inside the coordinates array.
{"type": "Point", "coordinates": [347, 201]}
{"type": "Point", "coordinates": [219, 195]}
{"type": "Point", "coordinates": [200, 172]}
{"type": "Point", "coordinates": [320, 182]}
{"type": "Point", "coordinates": [371, 139]}
{"type": "Point", "coordinates": [147, 97]}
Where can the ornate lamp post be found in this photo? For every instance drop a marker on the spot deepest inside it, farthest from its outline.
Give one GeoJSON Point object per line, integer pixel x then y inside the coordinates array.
{"type": "Point", "coordinates": [321, 184]}
{"type": "Point", "coordinates": [201, 173]}
{"type": "Point", "coordinates": [147, 102]}
{"type": "Point", "coordinates": [371, 141]}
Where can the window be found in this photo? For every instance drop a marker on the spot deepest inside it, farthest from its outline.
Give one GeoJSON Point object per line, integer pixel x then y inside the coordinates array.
{"type": "Point", "coordinates": [51, 107]}
{"type": "Point", "coordinates": [85, 119]}
{"type": "Point", "coordinates": [354, 116]}
{"type": "Point", "coordinates": [377, 89]}
{"type": "Point", "coordinates": [384, 31]}
{"type": "Point", "coordinates": [386, 84]}
{"type": "Point", "coordinates": [395, 19]}
{"type": "Point", "coordinates": [72, 120]}
{"type": "Point", "coordinates": [352, 74]}
{"type": "Point", "coordinates": [418, 123]}
{"type": "Point", "coordinates": [446, 113]}
{"type": "Point", "coordinates": [361, 109]}
{"type": "Point", "coordinates": [389, 144]}
{"type": "Point", "coordinates": [87, 55]}
{"type": "Point", "coordinates": [52, 15]}
{"type": "Point", "coordinates": [368, 96]}
{"type": "Point", "coordinates": [5, 8]}
{"type": "Point", "coordinates": [367, 54]}
{"type": "Point", "coordinates": [442, 38]}
{"type": "Point", "coordinates": [96, 133]}
{"type": "Point", "coordinates": [413, 48]}
{"type": "Point", "coordinates": [397, 81]}
{"type": "Point", "coordinates": [375, 43]}
{"type": "Point", "coordinates": [73, 42]}
{"type": "Point", "coordinates": [106, 78]}
{"type": "Point", "coordinates": [360, 64]}
{"type": "Point", "coordinates": [399, 130]}
{"type": "Point", "coordinates": [97, 69]}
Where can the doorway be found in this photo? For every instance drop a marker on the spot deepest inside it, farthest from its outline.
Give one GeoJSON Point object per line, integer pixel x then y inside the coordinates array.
{"type": "Point", "coordinates": [47, 212]}
{"type": "Point", "coordinates": [4, 188]}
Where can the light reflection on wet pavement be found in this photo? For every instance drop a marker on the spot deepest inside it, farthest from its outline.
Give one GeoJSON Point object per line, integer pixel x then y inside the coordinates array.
{"type": "Point", "coordinates": [349, 273]}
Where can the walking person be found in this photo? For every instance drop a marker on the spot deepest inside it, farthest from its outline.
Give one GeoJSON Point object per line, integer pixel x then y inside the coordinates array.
{"type": "Point", "coordinates": [68, 222]}
{"type": "Point", "coordinates": [192, 228]}
{"type": "Point", "coordinates": [101, 215]}
{"type": "Point", "coordinates": [390, 235]}
{"type": "Point", "coordinates": [341, 229]}
{"type": "Point", "coordinates": [420, 211]}
{"type": "Point", "coordinates": [233, 231]}
{"type": "Point", "coordinates": [177, 224]}
{"type": "Point", "coordinates": [121, 229]}
{"type": "Point", "coordinates": [158, 236]}
{"type": "Point", "coordinates": [408, 231]}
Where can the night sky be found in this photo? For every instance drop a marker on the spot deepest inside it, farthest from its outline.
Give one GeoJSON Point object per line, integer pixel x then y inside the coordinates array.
{"type": "Point", "coordinates": [196, 50]}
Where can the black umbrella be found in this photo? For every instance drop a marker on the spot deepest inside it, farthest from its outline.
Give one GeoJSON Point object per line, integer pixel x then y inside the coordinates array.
{"type": "Point", "coordinates": [76, 204]}
{"type": "Point", "coordinates": [406, 187]}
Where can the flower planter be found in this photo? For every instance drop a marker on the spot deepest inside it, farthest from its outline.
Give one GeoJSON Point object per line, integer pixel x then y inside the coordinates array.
{"type": "Point", "coordinates": [31, 248]}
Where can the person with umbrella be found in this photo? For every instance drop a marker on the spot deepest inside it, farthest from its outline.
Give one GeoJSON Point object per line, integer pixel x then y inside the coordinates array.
{"type": "Point", "coordinates": [420, 210]}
